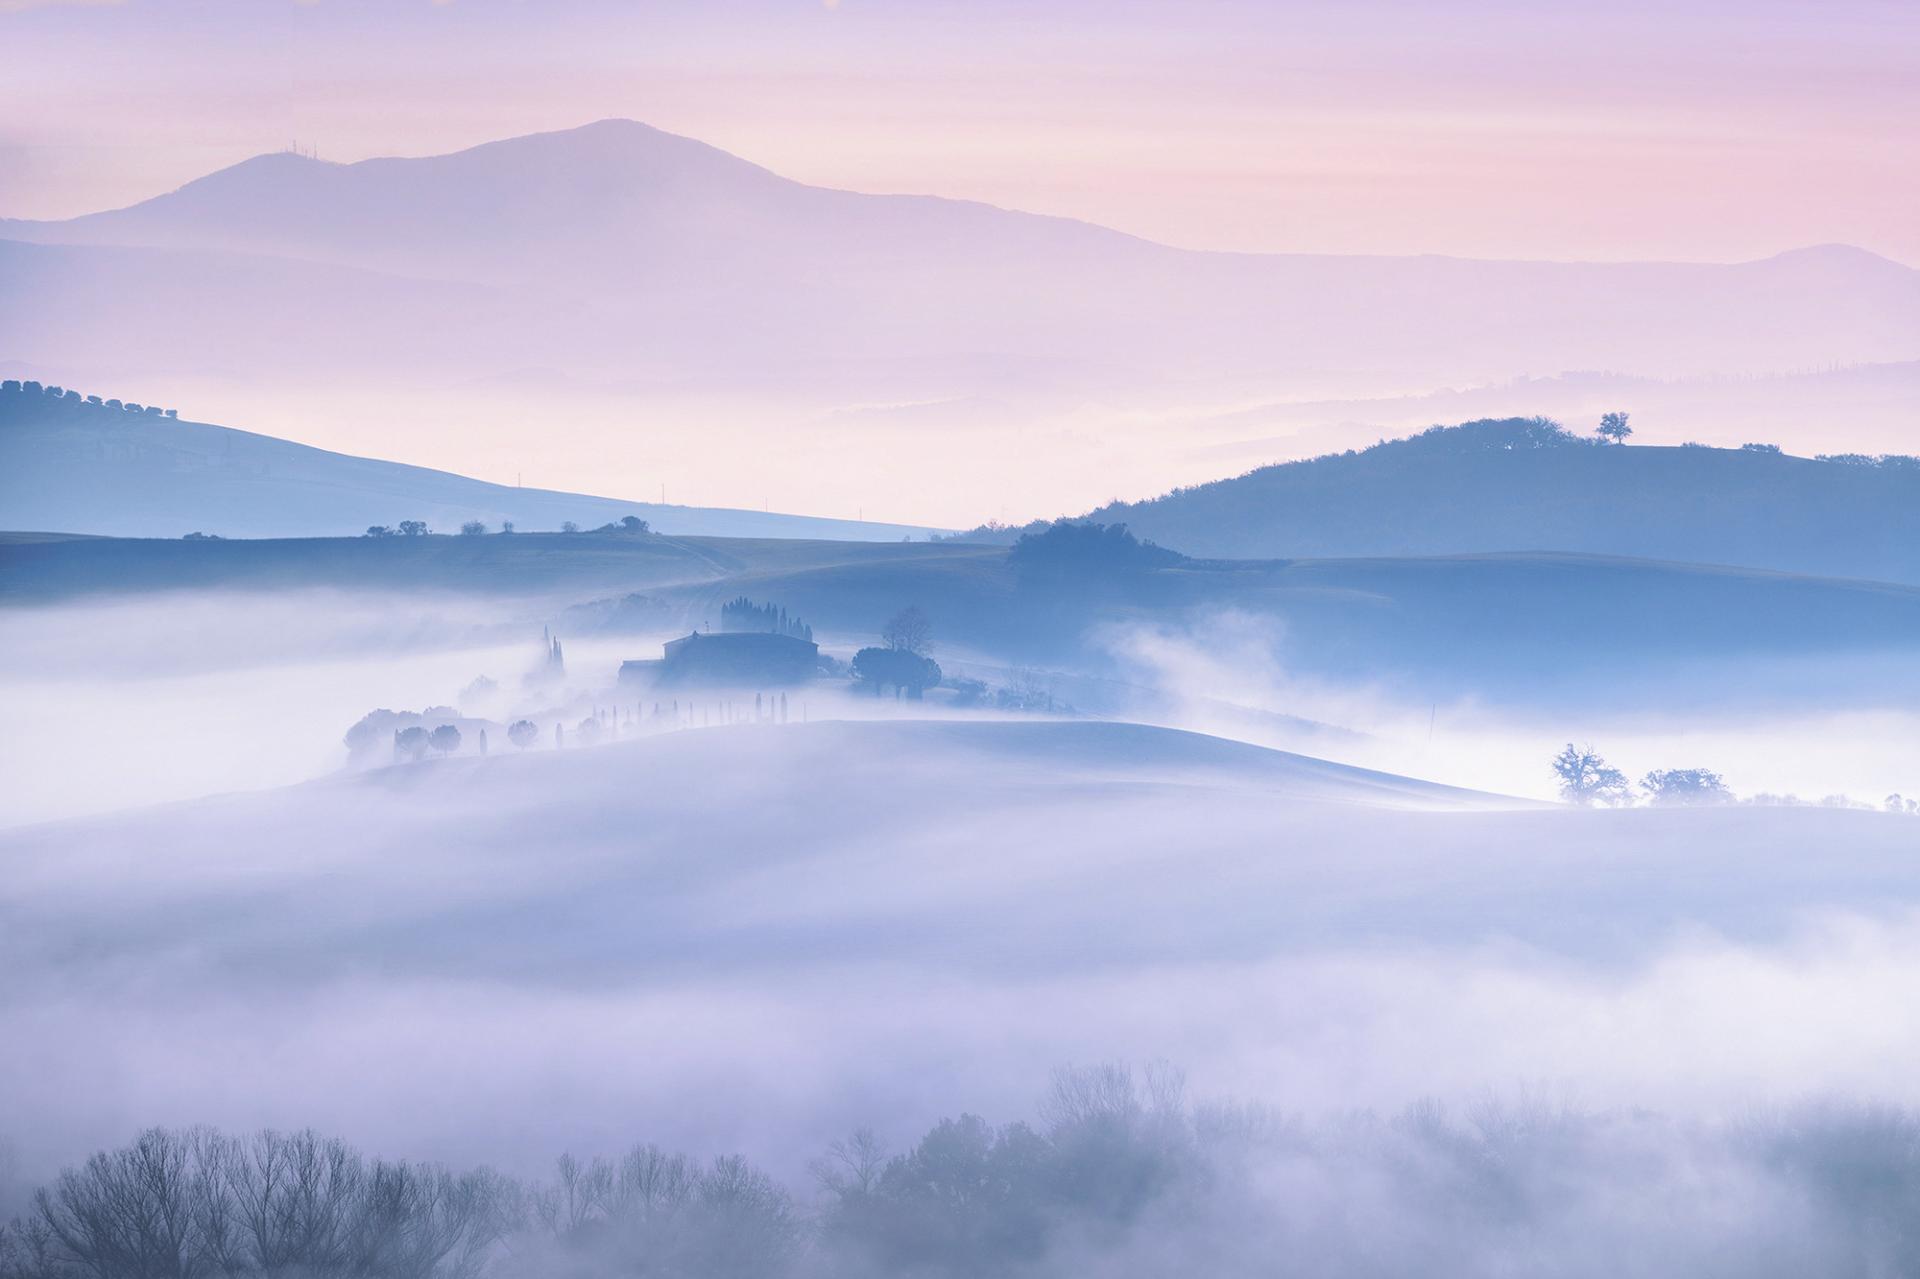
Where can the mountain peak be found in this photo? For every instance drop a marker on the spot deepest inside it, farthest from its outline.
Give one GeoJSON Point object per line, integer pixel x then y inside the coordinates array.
{"type": "Point", "coordinates": [1834, 254]}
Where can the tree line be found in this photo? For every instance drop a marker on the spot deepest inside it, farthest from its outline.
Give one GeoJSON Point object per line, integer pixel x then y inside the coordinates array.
{"type": "Point", "coordinates": [626, 525]}
{"type": "Point", "coordinates": [1119, 1174]}
{"type": "Point", "coordinates": [59, 397]}
{"type": "Point", "coordinates": [1587, 779]}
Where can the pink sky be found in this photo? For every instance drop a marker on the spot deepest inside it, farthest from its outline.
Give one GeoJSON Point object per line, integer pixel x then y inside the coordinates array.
{"type": "Point", "coordinates": [1715, 130]}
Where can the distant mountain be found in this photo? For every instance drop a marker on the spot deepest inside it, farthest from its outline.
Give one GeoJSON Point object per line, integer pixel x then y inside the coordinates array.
{"type": "Point", "coordinates": [1527, 485]}
{"type": "Point", "coordinates": [616, 250]}
{"type": "Point", "coordinates": [71, 466]}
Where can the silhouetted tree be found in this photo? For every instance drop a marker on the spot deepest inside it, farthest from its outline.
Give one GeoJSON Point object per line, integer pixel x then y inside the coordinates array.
{"type": "Point", "coordinates": [472, 528]}
{"type": "Point", "coordinates": [411, 528]}
{"type": "Point", "coordinates": [1585, 778]}
{"type": "Point", "coordinates": [568, 526]}
{"type": "Point", "coordinates": [522, 733]}
{"type": "Point", "coordinates": [908, 631]}
{"type": "Point", "coordinates": [1613, 426]}
{"type": "Point", "coordinates": [378, 530]}
{"type": "Point", "coordinates": [445, 739]}
{"type": "Point", "coordinates": [906, 672]}
{"type": "Point", "coordinates": [410, 743]}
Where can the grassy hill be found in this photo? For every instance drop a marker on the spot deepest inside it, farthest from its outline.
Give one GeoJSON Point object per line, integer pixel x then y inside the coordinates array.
{"type": "Point", "coordinates": [1526, 485]}
{"type": "Point", "coordinates": [80, 466]}
{"type": "Point", "coordinates": [1526, 626]}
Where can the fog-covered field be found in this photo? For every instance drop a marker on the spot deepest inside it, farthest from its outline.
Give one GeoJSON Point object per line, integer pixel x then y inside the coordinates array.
{"type": "Point", "coordinates": [759, 937]}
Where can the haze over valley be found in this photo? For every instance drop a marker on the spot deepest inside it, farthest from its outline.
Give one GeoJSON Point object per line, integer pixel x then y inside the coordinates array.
{"type": "Point", "coordinates": [660, 311]}
{"type": "Point", "coordinates": [1030, 642]}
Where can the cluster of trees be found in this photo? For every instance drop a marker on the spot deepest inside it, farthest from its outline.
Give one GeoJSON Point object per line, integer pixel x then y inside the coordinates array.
{"type": "Point", "coordinates": [58, 396]}
{"type": "Point", "coordinates": [187, 1205]}
{"type": "Point", "coordinates": [628, 525]}
{"type": "Point", "coordinates": [1119, 1175]}
{"type": "Point", "coordinates": [742, 614]}
{"type": "Point", "coordinates": [631, 526]}
{"type": "Point", "coordinates": [966, 1199]}
{"type": "Point", "coordinates": [1882, 461]}
{"type": "Point", "coordinates": [415, 741]}
{"type": "Point", "coordinates": [904, 661]}
{"type": "Point", "coordinates": [1085, 550]}
{"type": "Point", "coordinates": [1586, 778]}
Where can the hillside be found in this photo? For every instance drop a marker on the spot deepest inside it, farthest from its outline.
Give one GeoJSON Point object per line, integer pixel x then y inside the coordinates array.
{"type": "Point", "coordinates": [583, 933]}
{"type": "Point", "coordinates": [1518, 485]}
{"type": "Point", "coordinates": [70, 465]}
{"type": "Point", "coordinates": [1534, 628]}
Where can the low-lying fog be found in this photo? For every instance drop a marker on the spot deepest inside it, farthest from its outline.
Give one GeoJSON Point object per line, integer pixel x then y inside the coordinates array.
{"type": "Point", "coordinates": [127, 702]}
{"type": "Point", "coordinates": [759, 937]}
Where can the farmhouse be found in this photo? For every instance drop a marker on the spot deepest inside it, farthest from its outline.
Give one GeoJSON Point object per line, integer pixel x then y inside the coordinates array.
{"type": "Point", "coordinates": [738, 659]}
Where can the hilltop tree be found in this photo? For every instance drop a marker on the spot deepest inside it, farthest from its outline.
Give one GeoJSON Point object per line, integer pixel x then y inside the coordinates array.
{"type": "Point", "coordinates": [1585, 778]}
{"type": "Point", "coordinates": [411, 528]}
{"type": "Point", "coordinates": [445, 739]}
{"type": "Point", "coordinates": [1613, 426]}
{"type": "Point", "coordinates": [1669, 787]}
{"type": "Point", "coordinates": [410, 743]}
{"type": "Point", "coordinates": [522, 733]}
{"type": "Point", "coordinates": [472, 528]}
{"type": "Point", "coordinates": [908, 631]}
{"type": "Point", "coordinates": [378, 530]}
{"type": "Point", "coordinates": [629, 524]}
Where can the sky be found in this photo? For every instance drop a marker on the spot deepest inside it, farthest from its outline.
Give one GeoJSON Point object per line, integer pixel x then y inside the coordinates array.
{"type": "Point", "coordinates": [1597, 129]}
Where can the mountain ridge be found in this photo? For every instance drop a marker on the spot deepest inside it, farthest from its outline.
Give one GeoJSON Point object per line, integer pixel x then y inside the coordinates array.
{"type": "Point", "coordinates": [547, 143]}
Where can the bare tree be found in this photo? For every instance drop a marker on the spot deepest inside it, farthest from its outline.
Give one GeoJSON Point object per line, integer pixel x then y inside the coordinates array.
{"type": "Point", "coordinates": [1585, 778]}
{"type": "Point", "coordinates": [909, 631]}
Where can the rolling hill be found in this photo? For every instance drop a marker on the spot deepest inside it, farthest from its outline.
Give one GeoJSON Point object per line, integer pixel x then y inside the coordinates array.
{"type": "Point", "coordinates": [1544, 629]}
{"type": "Point", "coordinates": [1519, 485]}
{"type": "Point", "coordinates": [71, 466]}
{"type": "Point", "coordinates": [617, 937]}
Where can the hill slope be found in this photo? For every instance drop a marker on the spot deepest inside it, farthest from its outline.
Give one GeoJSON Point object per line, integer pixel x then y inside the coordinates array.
{"type": "Point", "coordinates": [618, 935]}
{"type": "Point", "coordinates": [76, 467]}
{"type": "Point", "coordinates": [1516, 485]}
{"type": "Point", "coordinates": [1537, 629]}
